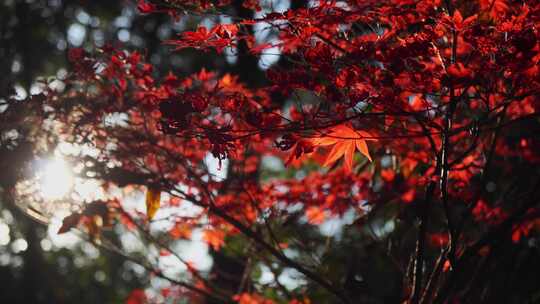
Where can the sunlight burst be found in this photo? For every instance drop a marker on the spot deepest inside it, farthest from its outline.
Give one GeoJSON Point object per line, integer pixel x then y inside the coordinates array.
{"type": "Point", "coordinates": [56, 180]}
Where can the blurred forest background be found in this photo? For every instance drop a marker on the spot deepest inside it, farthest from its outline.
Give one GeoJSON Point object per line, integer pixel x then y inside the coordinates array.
{"type": "Point", "coordinates": [34, 39]}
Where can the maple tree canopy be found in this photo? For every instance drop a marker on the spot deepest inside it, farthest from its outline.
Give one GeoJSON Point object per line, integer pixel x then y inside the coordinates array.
{"type": "Point", "coordinates": [411, 125]}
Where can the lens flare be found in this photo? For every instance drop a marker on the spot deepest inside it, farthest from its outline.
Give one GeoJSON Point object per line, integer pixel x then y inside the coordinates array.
{"type": "Point", "coordinates": [56, 180]}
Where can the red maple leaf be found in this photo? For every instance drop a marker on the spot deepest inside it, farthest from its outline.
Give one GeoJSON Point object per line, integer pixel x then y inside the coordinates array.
{"type": "Point", "coordinates": [345, 141]}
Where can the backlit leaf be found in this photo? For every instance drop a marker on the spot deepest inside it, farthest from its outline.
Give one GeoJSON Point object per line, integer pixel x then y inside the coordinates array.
{"type": "Point", "coordinates": [153, 197]}
{"type": "Point", "coordinates": [345, 141]}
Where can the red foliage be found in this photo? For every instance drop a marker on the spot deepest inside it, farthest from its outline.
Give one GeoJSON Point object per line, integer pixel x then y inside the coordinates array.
{"type": "Point", "coordinates": [443, 90]}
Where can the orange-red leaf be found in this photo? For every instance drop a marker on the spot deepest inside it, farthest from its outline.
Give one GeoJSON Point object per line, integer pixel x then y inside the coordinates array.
{"type": "Point", "coordinates": [363, 148]}
{"type": "Point", "coordinates": [336, 153]}
{"type": "Point", "coordinates": [315, 215]}
{"type": "Point", "coordinates": [214, 238]}
{"type": "Point", "coordinates": [345, 141]}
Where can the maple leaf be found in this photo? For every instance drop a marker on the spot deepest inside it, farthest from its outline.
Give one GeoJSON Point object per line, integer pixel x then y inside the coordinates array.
{"type": "Point", "coordinates": [315, 215]}
{"type": "Point", "coordinates": [345, 141]}
{"type": "Point", "coordinates": [180, 231]}
{"type": "Point", "coordinates": [300, 150]}
{"type": "Point", "coordinates": [146, 7]}
{"type": "Point", "coordinates": [214, 238]}
{"type": "Point", "coordinates": [153, 197]}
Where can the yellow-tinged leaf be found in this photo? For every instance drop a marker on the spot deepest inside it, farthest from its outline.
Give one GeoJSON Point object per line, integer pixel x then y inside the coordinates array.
{"type": "Point", "coordinates": [153, 197]}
